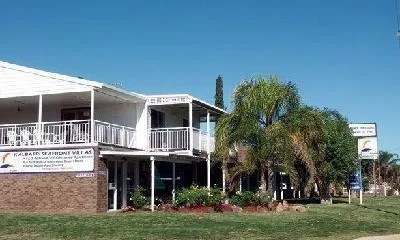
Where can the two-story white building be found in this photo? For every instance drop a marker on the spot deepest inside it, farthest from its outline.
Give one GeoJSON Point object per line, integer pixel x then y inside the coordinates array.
{"type": "Point", "coordinates": [70, 144]}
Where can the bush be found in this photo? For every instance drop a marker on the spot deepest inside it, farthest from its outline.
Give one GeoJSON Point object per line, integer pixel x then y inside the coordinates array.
{"type": "Point", "coordinates": [243, 199]}
{"type": "Point", "coordinates": [216, 197]}
{"type": "Point", "coordinates": [192, 196]}
{"type": "Point", "coordinates": [262, 198]}
{"type": "Point", "coordinates": [198, 196]}
{"type": "Point", "coordinates": [248, 198]}
{"type": "Point", "coordinates": [139, 199]}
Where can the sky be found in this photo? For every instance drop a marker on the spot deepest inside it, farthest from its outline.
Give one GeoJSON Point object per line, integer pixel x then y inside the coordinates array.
{"type": "Point", "coordinates": [341, 54]}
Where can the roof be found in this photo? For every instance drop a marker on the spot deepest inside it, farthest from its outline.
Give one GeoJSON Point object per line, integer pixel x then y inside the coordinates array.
{"type": "Point", "coordinates": [62, 77]}
{"type": "Point", "coordinates": [193, 99]}
{"type": "Point", "coordinates": [95, 84]}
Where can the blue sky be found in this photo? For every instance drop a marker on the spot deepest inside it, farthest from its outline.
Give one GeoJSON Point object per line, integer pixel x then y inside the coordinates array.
{"type": "Point", "coordinates": [341, 54]}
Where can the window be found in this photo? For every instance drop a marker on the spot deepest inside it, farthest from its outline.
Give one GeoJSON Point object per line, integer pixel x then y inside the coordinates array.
{"type": "Point", "coordinates": [157, 119]}
{"type": "Point", "coordinates": [75, 114]}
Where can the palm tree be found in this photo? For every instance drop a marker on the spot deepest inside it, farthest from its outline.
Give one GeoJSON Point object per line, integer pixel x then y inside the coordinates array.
{"type": "Point", "coordinates": [383, 165]}
{"type": "Point", "coordinates": [306, 130]}
{"type": "Point", "coordinates": [257, 123]}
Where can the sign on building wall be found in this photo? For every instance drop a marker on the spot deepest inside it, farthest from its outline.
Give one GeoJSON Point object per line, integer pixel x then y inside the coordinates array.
{"type": "Point", "coordinates": [72, 160]}
{"type": "Point", "coordinates": [363, 129]}
{"type": "Point", "coordinates": [368, 148]}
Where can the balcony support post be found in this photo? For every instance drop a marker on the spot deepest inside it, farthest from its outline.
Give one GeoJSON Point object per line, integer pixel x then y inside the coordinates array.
{"type": "Point", "coordinates": [152, 159]}
{"type": "Point", "coordinates": [92, 116]}
{"type": "Point", "coordinates": [40, 110]}
{"type": "Point", "coordinates": [208, 152]}
{"type": "Point", "coordinates": [124, 184]}
{"type": "Point", "coordinates": [115, 198]}
{"type": "Point", "coordinates": [173, 181]}
{"type": "Point", "coordinates": [191, 127]}
{"type": "Point", "coordinates": [39, 126]}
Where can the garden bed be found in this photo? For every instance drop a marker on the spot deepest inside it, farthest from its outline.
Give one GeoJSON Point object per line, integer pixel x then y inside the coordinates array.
{"type": "Point", "coordinates": [228, 208]}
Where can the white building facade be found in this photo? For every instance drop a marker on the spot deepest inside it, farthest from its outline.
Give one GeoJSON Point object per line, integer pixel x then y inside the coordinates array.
{"type": "Point", "coordinates": [90, 143]}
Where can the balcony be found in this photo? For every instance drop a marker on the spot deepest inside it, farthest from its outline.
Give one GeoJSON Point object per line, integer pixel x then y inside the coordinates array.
{"type": "Point", "coordinates": [178, 139]}
{"type": "Point", "coordinates": [64, 133]}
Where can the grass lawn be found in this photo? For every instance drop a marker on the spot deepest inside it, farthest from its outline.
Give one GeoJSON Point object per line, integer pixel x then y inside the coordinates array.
{"type": "Point", "coordinates": [378, 216]}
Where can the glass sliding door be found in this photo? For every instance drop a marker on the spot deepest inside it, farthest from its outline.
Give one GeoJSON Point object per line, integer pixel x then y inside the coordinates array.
{"type": "Point", "coordinates": [115, 184]}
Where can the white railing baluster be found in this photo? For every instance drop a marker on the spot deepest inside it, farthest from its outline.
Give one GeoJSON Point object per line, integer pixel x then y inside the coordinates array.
{"type": "Point", "coordinates": [65, 132]}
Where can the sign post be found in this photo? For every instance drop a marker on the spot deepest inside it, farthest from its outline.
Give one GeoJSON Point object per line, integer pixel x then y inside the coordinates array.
{"type": "Point", "coordinates": [355, 183]}
{"type": "Point", "coordinates": [367, 141]}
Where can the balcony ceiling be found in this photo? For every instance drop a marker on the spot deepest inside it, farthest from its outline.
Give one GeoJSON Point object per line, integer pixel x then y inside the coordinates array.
{"type": "Point", "coordinates": [65, 99]}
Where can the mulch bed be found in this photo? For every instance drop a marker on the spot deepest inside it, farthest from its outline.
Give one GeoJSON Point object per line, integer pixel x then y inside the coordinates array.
{"type": "Point", "coordinates": [226, 208]}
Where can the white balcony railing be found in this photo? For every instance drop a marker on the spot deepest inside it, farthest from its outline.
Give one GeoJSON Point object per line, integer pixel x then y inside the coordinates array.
{"type": "Point", "coordinates": [178, 138]}
{"type": "Point", "coordinates": [169, 139]}
{"type": "Point", "coordinates": [115, 134]}
{"type": "Point", "coordinates": [200, 140]}
{"type": "Point", "coordinates": [65, 132]}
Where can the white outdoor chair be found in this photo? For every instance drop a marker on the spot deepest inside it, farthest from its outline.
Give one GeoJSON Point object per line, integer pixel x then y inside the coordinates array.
{"type": "Point", "coordinates": [25, 137]}
{"type": "Point", "coordinates": [37, 137]}
{"type": "Point", "coordinates": [12, 138]}
{"type": "Point", "coordinates": [57, 138]}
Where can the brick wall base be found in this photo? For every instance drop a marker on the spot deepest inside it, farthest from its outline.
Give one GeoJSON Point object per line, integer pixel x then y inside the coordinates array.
{"type": "Point", "coordinates": [55, 192]}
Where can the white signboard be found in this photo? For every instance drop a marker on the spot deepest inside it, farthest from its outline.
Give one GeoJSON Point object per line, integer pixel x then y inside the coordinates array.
{"type": "Point", "coordinates": [73, 160]}
{"type": "Point", "coordinates": [363, 129]}
{"type": "Point", "coordinates": [368, 148]}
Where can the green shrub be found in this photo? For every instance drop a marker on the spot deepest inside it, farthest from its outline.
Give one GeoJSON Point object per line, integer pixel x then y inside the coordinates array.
{"type": "Point", "coordinates": [248, 198]}
{"type": "Point", "coordinates": [216, 197]}
{"type": "Point", "coordinates": [262, 198]}
{"type": "Point", "coordinates": [243, 199]}
{"type": "Point", "coordinates": [192, 196]}
{"type": "Point", "coordinates": [139, 199]}
{"type": "Point", "coordinates": [198, 196]}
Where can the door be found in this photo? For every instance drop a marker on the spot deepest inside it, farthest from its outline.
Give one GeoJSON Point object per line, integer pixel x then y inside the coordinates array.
{"type": "Point", "coordinates": [158, 138]}
{"type": "Point", "coordinates": [118, 193]}
{"type": "Point", "coordinates": [157, 119]}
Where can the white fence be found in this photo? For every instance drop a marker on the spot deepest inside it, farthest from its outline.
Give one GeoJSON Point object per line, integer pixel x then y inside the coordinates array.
{"type": "Point", "coordinates": [174, 139]}
{"type": "Point", "coordinates": [168, 139]}
{"type": "Point", "coordinates": [115, 134]}
{"type": "Point", "coordinates": [66, 132]}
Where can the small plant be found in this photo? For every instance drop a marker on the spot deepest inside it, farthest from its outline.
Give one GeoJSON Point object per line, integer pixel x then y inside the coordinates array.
{"type": "Point", "coordinates": [262, 198]}
{"type": "Point", "coordinates": [248, 198]}
{"type": "Point", "coordinates": [216, 197]}
{"type": "Point", "coordinates": [193, 196]}
{"type": "Point", "coordinates": [198, 196]}
{"type": "Point", "coordinates": [243, 199]}
{"type": "Point", "coordinates": [139, 199]}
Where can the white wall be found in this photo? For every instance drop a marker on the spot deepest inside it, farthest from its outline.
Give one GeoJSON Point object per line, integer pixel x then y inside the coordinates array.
{"type": "Point", "coordinates": [123, 114]}
{"type": "Point", "coordinates": [13, 116]}
{"type": "Point", "coordinates": [141, 126]}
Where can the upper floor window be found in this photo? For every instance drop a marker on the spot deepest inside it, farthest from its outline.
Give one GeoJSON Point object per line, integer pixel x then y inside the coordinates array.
{"type": "Point", "coordinates": [75, 114]}
{"type": "Point", "coordinates": [157, 119]}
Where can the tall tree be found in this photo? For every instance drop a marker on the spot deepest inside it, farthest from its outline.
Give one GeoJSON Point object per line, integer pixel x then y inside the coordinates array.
{"type": "Point", "coordinates": [338, 153]}
{"type": "Point", "coordinates": [306, 129]}
{"type": "Point", "coordinates": [257, 123]}
{"type": "Point", "coordinates": [219, 92]}
{"type": "Point", "coordinates": [383, 165]}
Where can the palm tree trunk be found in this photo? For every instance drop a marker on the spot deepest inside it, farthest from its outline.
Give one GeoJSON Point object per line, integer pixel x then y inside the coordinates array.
{"type": "Point", "coordinates": [270, 180]}
{"type": "Point", "coordinates": [263, 181]}
{"type": "Point", "coordinates": [379, 174]}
